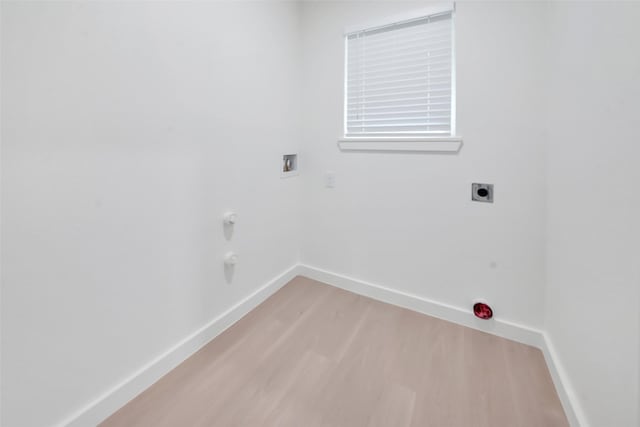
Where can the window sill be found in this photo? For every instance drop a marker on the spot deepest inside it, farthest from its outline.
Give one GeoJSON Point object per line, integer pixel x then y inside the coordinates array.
{"type": "Point", "coordinates": [445, 144]}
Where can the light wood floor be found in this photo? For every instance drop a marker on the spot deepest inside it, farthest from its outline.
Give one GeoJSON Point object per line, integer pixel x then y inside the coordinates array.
{"type": "Point", "coordinates": [313, 355]}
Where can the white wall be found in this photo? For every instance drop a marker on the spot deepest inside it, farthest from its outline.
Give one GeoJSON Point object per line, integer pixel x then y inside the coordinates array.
{"type": "Point", "coordinates": [127, 130]}
{"type": "Point", "coordinates": [406, 221]}
{"type": "Point", "coordinates": [593, 249]}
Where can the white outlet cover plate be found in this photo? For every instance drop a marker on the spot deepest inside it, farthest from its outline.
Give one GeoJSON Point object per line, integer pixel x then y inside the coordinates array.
{"type": "Point", "coordinates": [330, 179]}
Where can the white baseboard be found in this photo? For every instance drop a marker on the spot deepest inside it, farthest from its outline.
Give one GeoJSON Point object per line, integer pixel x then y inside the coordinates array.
{"type": "Point", "coordinates": [113, 399]}
{"type": "Point", "coordinates": [570, 402]}
{"type": "Point", "coordinates": [458, 315]}
{"type": "Point", "coordinates": [495, 326]}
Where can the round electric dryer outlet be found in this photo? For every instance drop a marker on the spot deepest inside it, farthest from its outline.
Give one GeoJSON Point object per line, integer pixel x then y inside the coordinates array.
{"type": "Point", "coordinates": [482, 192]}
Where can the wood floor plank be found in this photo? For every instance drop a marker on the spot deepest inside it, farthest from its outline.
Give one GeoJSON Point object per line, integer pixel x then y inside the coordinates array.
{"type": "Point", "coordinates": [313, 355]}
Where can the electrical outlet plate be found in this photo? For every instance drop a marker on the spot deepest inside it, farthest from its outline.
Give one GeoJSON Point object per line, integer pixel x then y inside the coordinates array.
{"type": "Point", "coordinates": [482, 192]}
{"type": "Point", "coordinates": [330, 179]}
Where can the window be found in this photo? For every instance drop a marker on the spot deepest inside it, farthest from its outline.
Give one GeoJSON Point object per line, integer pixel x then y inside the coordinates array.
{"type": "Point", "coordinates": [400, 81]}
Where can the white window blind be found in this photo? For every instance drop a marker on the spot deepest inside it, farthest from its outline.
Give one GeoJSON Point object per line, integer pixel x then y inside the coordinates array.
{"type": "Point", "coordinates": [399, 79]}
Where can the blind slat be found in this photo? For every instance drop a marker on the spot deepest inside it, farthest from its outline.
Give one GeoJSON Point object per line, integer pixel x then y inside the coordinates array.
{"type": "Point", "coordinates": [403, 79]}
{"type": "Point", "coordinates": [440, 56]}
{"type": "Point", "coordinates": [398, 77]}
{"type": "Point", "coordinates": [393, 70]}
{"type": "Point", "coordinates": [431, 42]}
{"type": "Point", "coordinates": [390, 107]}
{"type": "Point", "coordinates": [401, 46]}
{"type": "Point", "coordinates": [392, 96]}
{"type": "Point", "coordinates": [407, 125]}
{"type": "Point", "coordinates": [356, 115]}
{"type": "Point", "coordinates": [364, 117]}
{"type": "Point", "coordinates": [418, 42]}
{"type": "Point", "coordinates": [388, 102]}
{"type": "Point", "coordinates": [365, 90]}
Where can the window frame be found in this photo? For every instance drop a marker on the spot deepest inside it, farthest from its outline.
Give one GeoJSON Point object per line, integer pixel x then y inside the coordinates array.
{"type": "Point", "coordinates": [435, 143]}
